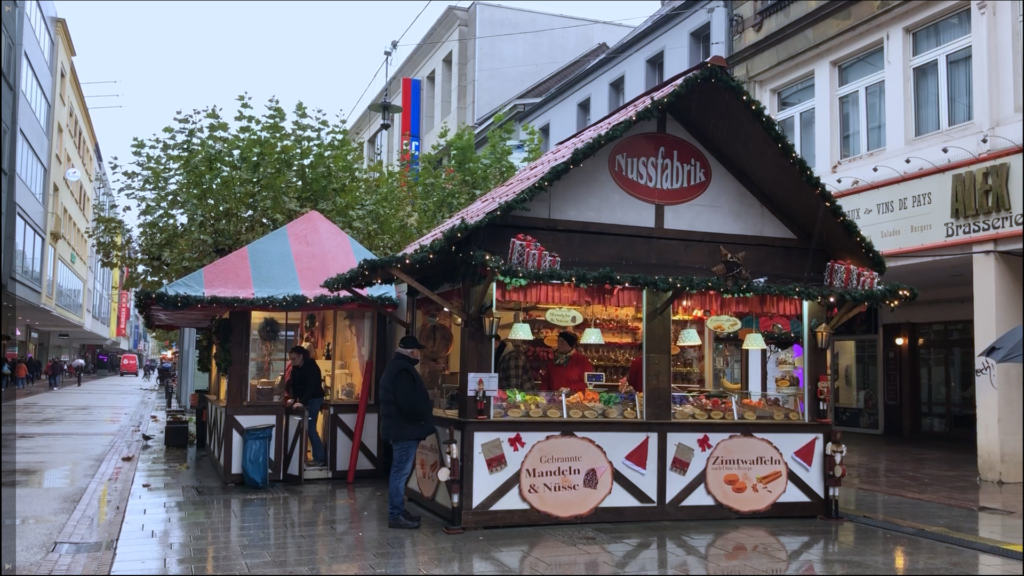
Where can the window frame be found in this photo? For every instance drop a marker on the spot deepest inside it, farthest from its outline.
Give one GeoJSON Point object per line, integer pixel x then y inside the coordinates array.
{"type": "Point", "coordinates": [22, 225]}
{"type": "Point", "coordinates": [36, 184]}
{"type": "Point", "coordinates": [64, 294]}
{"type": "Point", "coordinates": [939, 55]}
{"type": "Point", "coordinates": [30, 83]}
{"type": "Point", "coordinates": [7, 57]}
{"type": "Point", "coordinates": [52, 253]}
{"type": "Point", "coordinates": [545, 137]}
{"type": "Point", "coordinates": [37, 20]}
{"type": "Point", "coordinates": [617, 87]}
{"type": "Point", "coordinates": [580, 118]}
{"type": "Point", "coordinates": [796, 111]}
{"type": "Point", "coordinates": [657, 70]}
{"type": "Point", "coordinates": [860, 86]}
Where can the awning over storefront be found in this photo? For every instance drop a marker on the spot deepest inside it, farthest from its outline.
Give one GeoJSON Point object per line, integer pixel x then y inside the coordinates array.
{"type": "Point", "coordinates": [282, 270]}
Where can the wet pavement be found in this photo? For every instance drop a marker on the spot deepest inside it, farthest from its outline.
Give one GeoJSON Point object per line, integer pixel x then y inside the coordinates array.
{"type": "Point", "coordinates": [54, 443]}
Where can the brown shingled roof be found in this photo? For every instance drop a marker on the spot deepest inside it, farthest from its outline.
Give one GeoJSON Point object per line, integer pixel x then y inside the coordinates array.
{"type": "Point", "coordinates": [552, 81]}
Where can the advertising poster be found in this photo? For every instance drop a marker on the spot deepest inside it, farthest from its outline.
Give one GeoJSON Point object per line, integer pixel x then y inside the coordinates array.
{"type": "Point", "coordinates": [123, 307]}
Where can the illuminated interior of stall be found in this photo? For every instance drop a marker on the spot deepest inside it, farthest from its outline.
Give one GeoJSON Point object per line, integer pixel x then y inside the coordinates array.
{"type": "Point", "coordinates": [339, 342]}
{"type": "Point", "coordinates": [609, 328]}
{"type": "Point", "coordinates": [439, 330]}
{"type": "Point", "coordinates": [738, 358]}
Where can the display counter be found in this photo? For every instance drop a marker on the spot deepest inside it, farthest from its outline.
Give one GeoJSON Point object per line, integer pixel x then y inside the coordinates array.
{"type": "Point", "coordinates": [527, 471]}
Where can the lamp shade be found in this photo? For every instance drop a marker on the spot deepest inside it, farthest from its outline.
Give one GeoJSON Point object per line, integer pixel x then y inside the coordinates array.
{"type": "Point", "coordinates": [520, 331]}
{"type": "Point", "coordinates": [688, 337]}
{"type": "Point", "coordinates": [822, 334]}
{"type": "Point", "coordinates": [754, 341]}
{"type": "Point", "coordinates": [592, 336]}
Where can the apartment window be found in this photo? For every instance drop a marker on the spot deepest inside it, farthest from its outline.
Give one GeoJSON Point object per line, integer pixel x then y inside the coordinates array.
{"type": "Point", "coordinates": [28, 251]}
{"type": "Point", "coordinates": [30, 168]}
{"type": "Point", "coordinates": [429, 93]}
{"type": "Point", "coordinates": [700, 44]}
{"type": "Point", "coordinates": [52, 259]}
{"type": "Point", "coordinates": [616, 93]}
{"type": "Point", "coordinates": [446, 87]}
{"type": "Point", "coordinates": [38, 22]}
{"type": "Point", "coordinates": [33, 92]}
{"type": "Point", "coordinates": [7, 57]}
{"type": "Point", "coordinates": [655, 70]}
{"type": "Point", "coordinates": [69, 289]}
{"type": "Point", "coordinates": [862, 104]}
{"type": "Point", "coordinates": [3, 149]}
{"type": "Point", "coordinates": [941, 66]}
{"type": "Point", "coordinates": [63, 84]}
{"type": "Point", "coordinates": [796, 116]}
{"type": "Point", "coordinates": [583, 115]}
{"type": "Point", "coordinates": [545, 137]}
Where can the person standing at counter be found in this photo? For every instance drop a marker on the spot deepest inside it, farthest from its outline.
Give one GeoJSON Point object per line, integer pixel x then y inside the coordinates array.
{"type": "Point", "coordinates": [635, 378]}
{"type": "Point", "coordinates": [514, 368]}
{"type": "Point", "coordinates": [568, 368]}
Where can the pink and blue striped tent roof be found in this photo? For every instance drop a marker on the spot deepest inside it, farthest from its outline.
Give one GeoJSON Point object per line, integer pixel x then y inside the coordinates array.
{"type": "Point", "coordinates": [291, 261]}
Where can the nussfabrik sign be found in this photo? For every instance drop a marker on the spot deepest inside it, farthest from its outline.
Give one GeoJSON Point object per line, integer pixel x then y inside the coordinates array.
{"type": "Point", "coordinates": [659, 168]}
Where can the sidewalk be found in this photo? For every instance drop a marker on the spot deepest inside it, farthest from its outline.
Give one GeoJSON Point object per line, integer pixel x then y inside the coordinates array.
{"type": "Point", "coordinates": [42, 385]}
{"type": "Point", "coordinates": [62, 461]}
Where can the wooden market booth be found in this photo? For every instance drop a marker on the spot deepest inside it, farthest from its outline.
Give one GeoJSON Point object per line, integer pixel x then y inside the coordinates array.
{"type": "Point", "coordinates": [686, 223]}
{"type": "Point", "coordinates": [254, 305]}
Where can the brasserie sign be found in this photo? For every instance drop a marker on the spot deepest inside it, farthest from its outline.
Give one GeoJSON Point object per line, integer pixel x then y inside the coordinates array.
{"type": "Point", "coordinates": [975, 203]}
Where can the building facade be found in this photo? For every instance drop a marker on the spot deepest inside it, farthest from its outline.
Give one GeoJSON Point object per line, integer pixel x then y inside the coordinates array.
{"type": "Point", "coordinates": [911, 113]}
{"type": "Point", "coordinates": [677, 37]}
{"type": "Point", "coordinates": [471, 61]}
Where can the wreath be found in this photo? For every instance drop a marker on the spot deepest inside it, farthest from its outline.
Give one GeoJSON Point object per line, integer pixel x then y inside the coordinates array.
{"type": "Point", "coordinates": [269, 329]}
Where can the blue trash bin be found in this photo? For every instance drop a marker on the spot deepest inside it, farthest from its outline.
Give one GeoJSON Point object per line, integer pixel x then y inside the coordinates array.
{"type": "Point", "coordinates": [256, 456]}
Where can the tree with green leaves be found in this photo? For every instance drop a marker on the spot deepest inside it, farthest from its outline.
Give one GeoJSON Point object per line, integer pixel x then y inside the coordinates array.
{"type": "Point", "coordinates": [205, 187]}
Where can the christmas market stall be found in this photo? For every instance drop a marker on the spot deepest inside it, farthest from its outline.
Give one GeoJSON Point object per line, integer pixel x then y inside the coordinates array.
{"type": "Point", "coordinates": [251, 307]}
{"type": "Point", "coordinates": [634, 327]}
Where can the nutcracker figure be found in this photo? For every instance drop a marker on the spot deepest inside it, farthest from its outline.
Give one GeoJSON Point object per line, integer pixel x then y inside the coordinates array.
{"type": "Point", "coordinates": [824, 399]}
{"type": "Point", "coordinates": [836, 470]}
{"type": "Point", "coordinates": [481, 400]}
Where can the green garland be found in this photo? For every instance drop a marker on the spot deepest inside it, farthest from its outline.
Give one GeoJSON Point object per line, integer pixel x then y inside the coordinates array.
{"type": "Point", "coordinates": [204, 351]}
{"type": "Point", "coordinates": [221, 329]}
{"type": "Point", "coordinates": [146, 300]}
{"type": "Point", "coordinates": [371, 271]}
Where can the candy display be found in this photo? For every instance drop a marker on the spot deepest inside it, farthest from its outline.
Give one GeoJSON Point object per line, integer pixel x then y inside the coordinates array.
{"type": "Point", "coordinates": [686, 406]}
{"type": "Point", "coordinates": [584, 404]}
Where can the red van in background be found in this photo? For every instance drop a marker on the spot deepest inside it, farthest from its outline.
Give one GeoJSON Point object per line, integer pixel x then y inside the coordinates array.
{"type": "Point", "coordinates": [130, 364]}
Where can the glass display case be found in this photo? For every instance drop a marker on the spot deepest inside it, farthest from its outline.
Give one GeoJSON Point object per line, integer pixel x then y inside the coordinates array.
{"type": "Point", "coordinates": [588, 404]}
{"type": "Point", "coordinates": [727, 364]}
{"type": "Point", "coordinates": [740, 405]}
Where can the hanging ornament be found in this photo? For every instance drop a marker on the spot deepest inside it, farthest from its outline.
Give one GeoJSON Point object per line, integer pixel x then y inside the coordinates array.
{"type": "Point", "coordinates": [731, 268]}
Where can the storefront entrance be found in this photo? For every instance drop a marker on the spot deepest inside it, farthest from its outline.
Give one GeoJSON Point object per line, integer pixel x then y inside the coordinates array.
{"type": "Point", "coordinates": [945, 377]}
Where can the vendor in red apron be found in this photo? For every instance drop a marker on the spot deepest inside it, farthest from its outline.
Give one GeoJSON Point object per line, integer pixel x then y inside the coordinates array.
{"type": "Point", "coordinates": [568, 368]}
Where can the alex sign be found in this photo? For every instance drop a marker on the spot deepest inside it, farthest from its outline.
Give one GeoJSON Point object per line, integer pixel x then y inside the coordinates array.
{"type": "Point", "coordinates": [659, 168]}
{"type": "Point", "coordinates": [973, 203]}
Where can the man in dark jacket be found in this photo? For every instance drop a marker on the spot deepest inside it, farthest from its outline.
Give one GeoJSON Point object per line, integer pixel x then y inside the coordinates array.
{"type": "Point", "coordinates": [406, 419]}
{"type": "Point", "coordinates": [305, 384]}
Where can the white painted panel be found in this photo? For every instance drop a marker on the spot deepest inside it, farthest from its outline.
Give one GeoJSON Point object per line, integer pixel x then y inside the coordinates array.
{"type": "Point", "coordinates": [726, 207]}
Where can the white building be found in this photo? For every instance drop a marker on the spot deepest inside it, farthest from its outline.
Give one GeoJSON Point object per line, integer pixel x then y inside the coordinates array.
{"type": "Point", "coordinates": [677, 37]}
{"type": "Point", "coordinates": [474, 59]}
{"type": "Point", "coordinates": [910, 112]}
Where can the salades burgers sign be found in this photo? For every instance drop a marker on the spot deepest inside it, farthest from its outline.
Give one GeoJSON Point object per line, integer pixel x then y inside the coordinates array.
{"type": "Point", "coordinates": [659, 168]}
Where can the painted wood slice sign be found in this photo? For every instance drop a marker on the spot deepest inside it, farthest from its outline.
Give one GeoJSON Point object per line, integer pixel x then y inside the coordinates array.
{"type": "Point", "coordinates": [438, 340]}
{"type": "Point", "coordinates": [565, 476]}
{"type": "Point", "coordinates": [428, 461]}
{"type": "Point", "coordinates": [746, 474]}
{"type": "Point", "coordinates": [659, 168]}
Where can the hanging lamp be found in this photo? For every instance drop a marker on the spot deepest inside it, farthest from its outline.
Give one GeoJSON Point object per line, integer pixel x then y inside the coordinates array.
{"type": "Point", "coordinates": [689, 337]}
{"type": "Point", "coordinates": [520, 330]}
{"type": "Point", "coordinates": [593, 334]}
{"type": "Point", "coordinates": [754, 341]}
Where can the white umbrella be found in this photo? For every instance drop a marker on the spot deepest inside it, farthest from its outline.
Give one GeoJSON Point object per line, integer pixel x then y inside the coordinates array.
{"type": "Point", "coordinates": [79, 363]}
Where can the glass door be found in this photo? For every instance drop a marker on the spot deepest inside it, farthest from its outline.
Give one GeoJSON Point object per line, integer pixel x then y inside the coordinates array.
{"type": "Point", "coordinates": [946, 378]}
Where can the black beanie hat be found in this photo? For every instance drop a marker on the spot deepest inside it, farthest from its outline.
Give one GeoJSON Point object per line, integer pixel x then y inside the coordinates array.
{"type": "Point", "coordinates": [569, 338]}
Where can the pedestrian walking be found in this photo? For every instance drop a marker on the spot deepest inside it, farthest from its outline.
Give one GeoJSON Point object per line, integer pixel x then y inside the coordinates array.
{"type": "Point", "coordinates": [53, 374]}
{"type": "Point", "coordinates": [20, 374]}
{"type": "Point", "coordinates": [305, 385]}
{"type": "Point", "coordinates": [37, 370]}
{"type": "Point", "coordinates": [5, 372]}
{"type": "Point", "coordinates": [406, 419]}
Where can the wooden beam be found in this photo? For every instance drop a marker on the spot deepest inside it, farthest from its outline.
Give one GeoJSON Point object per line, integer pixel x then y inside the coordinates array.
{"type": "Point", "coordinates": [478, 298]}
{"type": "Point", "coordinates": [365, 300]}
{"type": "Point", "coordinates": [841, 319]}
{"type": "Point", "coordinates": [667, 303]}
{"type": "Point", "coordinates": [428, 293]}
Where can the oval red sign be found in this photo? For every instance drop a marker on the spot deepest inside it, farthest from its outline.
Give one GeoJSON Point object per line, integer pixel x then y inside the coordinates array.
{"type": "Point", "coordinates": [659, 168]}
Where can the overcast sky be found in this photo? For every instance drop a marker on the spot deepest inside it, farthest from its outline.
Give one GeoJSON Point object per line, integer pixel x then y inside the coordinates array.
{"type": "Point", "coordinates": [169, 56]}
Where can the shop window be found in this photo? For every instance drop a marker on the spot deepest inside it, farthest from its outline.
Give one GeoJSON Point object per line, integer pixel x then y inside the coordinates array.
{"type": "Point", "coordinates": [655, 70]}
{"type": "Point", "coordinates": [616, 93]}
{"type": "Point", "coordinates": [70, 289]}
{"type": "Point", "coordinates": [272, 334]}
{"type": "Point", "coordinates": [795, 105]}
{"type": "Point", "coordinates": [942, 74]}
{"type": "Point", "coordinates": [855, 373]}
{"type": "Point", "coordinates": [583, 115]}
{"type": "Point", "coordinates": [862, 104]}
{"type": "Point", "coordinates": [440, 331]}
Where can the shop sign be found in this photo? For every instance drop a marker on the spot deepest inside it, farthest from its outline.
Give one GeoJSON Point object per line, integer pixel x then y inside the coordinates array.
{"type": "Point", "coordinates": [973, 204]}
{"type": "Point", "coordinates": [35, 334]}
{"type": "Point", "coordinates": [565, 476]}
{"type": "Point", "coordinates": [724, 324]}
{"type": "Point", "coordinates": [122, 314]}
{"type": "Point", "coordinates": [746, 474]}
{"type": "Point", "coordinates": [564, 317]}
{"type": "Point", "coordinates": [659, 168]}
{"type": "Point", "coordinates": [411, 123]}
{"type": "Point", "coordinates": [61, 336]}
{"type": "Point", "coordinates": [428, 461]}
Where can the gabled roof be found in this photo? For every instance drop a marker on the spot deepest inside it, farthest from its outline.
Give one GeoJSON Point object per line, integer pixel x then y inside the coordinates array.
{"type": "Point", "coordinates": [718, 112]}
{"type": "Point", "coordinates": [553, 80]}
{"type": "Point", "coordinates": [289, 264]}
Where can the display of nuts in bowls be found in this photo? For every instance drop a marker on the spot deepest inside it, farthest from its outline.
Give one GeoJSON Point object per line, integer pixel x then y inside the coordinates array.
{"type": "Point", "coordinates": [515, 413]}
{"type": "Point", "coordinates": [629, 413]}
{"type": "Point", "coordinates": [536, 413]}
{"type": "Point", "coordinates": [590, 413]}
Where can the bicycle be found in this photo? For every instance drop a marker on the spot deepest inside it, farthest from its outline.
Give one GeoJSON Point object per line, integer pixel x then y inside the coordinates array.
{"type": "Point", "coordinates": [147, 376]}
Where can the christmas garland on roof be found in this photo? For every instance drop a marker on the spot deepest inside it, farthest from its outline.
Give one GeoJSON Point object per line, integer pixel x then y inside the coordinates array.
{"type": "Point", "coordinates": [146, 300]}
{"type": "Point", "coordinates": [369, 271]}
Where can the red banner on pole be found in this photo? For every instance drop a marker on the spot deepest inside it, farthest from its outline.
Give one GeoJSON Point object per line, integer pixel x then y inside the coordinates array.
{"type": "Point", "coordinates": [122, 314]}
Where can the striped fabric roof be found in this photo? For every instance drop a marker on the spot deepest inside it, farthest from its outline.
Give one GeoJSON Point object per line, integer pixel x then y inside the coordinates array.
{"type": "Point", "coordinates": [536, 170]}
{"type": "Point", "coordinates": [290, 261]}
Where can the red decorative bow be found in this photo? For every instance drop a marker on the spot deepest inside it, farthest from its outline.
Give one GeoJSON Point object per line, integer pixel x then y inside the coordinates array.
{"type": "Point", "coordinates": [704, 442]}
{"type": "Point", "coordinates": [516, 442]}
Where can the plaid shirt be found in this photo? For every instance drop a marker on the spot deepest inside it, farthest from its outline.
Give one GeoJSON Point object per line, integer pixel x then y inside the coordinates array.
{"type": "Point", "coordinates": [514, 371]}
